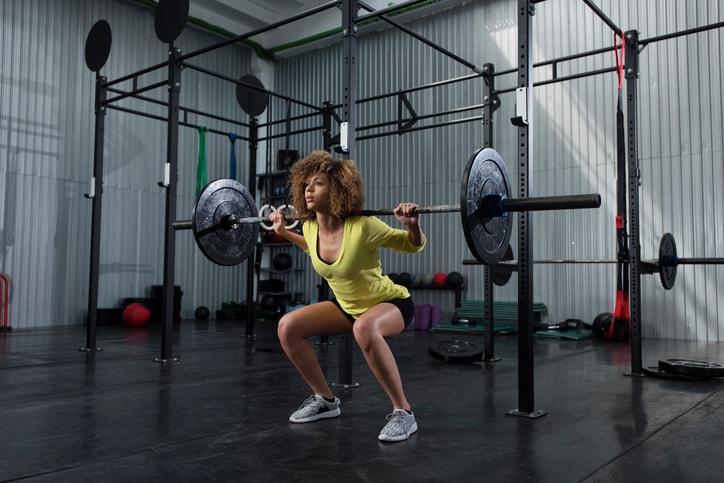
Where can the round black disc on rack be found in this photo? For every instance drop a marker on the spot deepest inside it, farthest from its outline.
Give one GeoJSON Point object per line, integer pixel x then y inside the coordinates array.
{"type": "Point", "coordinates": [251, 95]}
{"type": "Point", "coordinates": [219, 241]}
{"type": "Point", "coordinates": [170, 19]}
{"type": "Point", "coordinates": [98, 45]}
{"type": "Point", "coordinates": [487, 237]}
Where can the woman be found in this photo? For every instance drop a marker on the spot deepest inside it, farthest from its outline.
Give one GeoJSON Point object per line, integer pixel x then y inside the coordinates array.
{"type": "Point", "coordinates": [328, 195]}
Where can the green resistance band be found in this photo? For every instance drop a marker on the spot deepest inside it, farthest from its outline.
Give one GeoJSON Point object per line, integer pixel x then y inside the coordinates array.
{"type": "Point", "coordinates": [201, 166]}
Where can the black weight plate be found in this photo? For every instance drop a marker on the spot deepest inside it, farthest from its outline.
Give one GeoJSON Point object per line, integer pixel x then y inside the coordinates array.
{"type": "Point", "coordinates": [502, 274]}
{"type": "Point", "coordinates": [688, 367]}
{"type": "Point", "coordinates": [170, 19]}
{"type": "Point", "coordinates": [487, 237]}
{"type": "Point", "coordinates": [98, 45]}
{"type": "Point", "coordinates": [459, 351]}
{"type": "Point", "coordinates": [251, 95]}
{"type": "Point", "coordinates": [654, 371]}
{"type": "Point", "coordinates": [667, 251]}
{"type": "Point", "coordinates": [222, 245]}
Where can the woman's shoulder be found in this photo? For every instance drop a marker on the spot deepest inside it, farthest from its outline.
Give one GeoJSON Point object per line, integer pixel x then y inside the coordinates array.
{"type": "Point", "coordinates": [363, 220]}
{"type": "Point", "coordinates": [367, 224]}
{"type": "Point", "coordinates": [309, 225]}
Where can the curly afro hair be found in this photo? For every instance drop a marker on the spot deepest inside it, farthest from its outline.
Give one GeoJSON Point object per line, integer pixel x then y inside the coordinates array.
{"type": "Point", "coordinates": [346, 188]}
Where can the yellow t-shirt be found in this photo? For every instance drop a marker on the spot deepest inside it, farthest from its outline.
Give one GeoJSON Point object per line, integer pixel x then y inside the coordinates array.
{"type": "Point", "coordinates": [356, 277]}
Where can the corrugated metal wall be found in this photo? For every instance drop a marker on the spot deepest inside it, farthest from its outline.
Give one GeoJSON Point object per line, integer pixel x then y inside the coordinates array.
{"type": "Point", "coordinates": [680, 120]}
{"type": "Point", "coordinates": [46, 158]}
{"type": "Point", "coordinates": [46, 126]}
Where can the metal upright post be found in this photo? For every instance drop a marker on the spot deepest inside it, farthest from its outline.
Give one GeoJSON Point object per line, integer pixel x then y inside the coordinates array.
{"type": "Point", "coordinates": [632, 73]}
{"type": "Point", "coordinates": [349, 78]}
{"type": "Point", "coordinates": [167, 309]}
{"type": "Point", "coordinates": [96, 195]}
{"type": "Point", "coordinates": [489, 106]}
{"type": "Point", "coordinates": [348, 144]}
{"type": "Point", "coordinates": [523, 119]}
{"type": "Point", "coordinates": [327, 125]}
{"type": "Point", "coordinates": [250, 269]}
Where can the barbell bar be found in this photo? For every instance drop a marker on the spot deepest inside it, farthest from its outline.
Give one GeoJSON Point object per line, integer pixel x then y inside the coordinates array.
{"type": "Point", "coordinates": [225, 221]}
{"type": "Point", "coordinates": [498, 205]}
{"type": "Point", "coordinates": [493, 206]}
{"type": "Point", "coordinates": [665, 266]}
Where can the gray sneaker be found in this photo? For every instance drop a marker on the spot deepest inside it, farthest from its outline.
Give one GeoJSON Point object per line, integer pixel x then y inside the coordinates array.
{"type": "Point", "coordinates": [314, 408]}
{"type": "Point", "coordinates": [400, 425]}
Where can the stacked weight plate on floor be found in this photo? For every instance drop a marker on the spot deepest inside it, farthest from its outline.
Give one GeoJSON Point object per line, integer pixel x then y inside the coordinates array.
{"type": "Point", "coordinates": [686, 369]}
{"type": "Point", "coordinates": [458, 351]}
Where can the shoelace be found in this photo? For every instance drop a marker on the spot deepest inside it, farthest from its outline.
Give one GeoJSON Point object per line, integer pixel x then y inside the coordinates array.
{"type": "Point", "coordinates": [309, 401]}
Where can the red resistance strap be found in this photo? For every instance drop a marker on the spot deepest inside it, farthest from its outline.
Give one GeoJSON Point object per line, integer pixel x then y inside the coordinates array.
{"type": "Point", "coordinates": [620, 328]}
{"type": "Point", "coordinates": [619, 57]}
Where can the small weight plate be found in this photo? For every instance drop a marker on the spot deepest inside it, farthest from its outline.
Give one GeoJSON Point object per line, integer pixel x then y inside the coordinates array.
{"type": "Point", "coordinates": [688, 367]}
{"type": "Point", "coordinates": [98, 45]}
{"type": "Point", "coordinates": [170, 19]}
{"type": "Point", "coordinates": [654, 371]}
{"type": "Point", "coordinates": [487, 237]}
{"type": "Point", "coordinates": [667, 250]}
{"type": "Point", "coordinates": [222, 244]}
{"type": "Point", "coordinates": [458, 351]}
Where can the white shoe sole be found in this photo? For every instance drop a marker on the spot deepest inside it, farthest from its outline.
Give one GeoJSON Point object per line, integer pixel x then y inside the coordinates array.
{"type": "Point", "coordinates": [325, 415]}
{"type": "Point", "coordinates": [402, 437]}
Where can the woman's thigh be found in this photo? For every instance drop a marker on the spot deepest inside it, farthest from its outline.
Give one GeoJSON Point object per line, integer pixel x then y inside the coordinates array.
{"type": "Point", "coordinates": [384, 318]}
{"type": "Point", "coordinates": [322, 318]}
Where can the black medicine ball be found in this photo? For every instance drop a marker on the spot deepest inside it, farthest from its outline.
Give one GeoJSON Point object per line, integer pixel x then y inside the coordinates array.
{"type": "Point", "coordinates": [282, 261]}
{"type": "Point", "coordinates": [201, 313]}
{"type": "Point", "coordinates": [454, 279]}
{"type": "Point", "coordinates": [268, 302]}
{"type": "Point", "coordinates": [601, 323]}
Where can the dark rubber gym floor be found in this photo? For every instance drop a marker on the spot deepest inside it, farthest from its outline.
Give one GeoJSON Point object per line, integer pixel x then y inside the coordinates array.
{"type": "Point", "coordinates": [220, 412]}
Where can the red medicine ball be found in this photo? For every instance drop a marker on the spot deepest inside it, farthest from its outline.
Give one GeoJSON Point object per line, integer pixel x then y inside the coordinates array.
{"type": "Point", "coordinates": [439, 279]}
{"type": "Point", "coordinates": [136, 315]}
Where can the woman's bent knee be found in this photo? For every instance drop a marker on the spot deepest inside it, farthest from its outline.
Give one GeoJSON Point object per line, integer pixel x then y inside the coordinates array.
{"type": "Point", "coordinates": [285, 327]}
{"type": "Point", "coordinates": [364, 333]}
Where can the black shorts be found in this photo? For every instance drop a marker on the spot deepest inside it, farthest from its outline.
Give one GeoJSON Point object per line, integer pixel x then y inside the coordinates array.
{"type": "Point", "coordinates": [405, 306]}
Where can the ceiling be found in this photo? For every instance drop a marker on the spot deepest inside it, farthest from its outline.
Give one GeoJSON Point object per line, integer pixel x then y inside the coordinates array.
{"type": "Point", "coordinates": [240, 17]}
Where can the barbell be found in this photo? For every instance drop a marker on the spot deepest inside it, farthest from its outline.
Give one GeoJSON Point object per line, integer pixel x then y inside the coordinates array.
{"type": "Point", "coordinates": [225, 221]}
{"type": "Point", "coordinates": [665, 265]}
